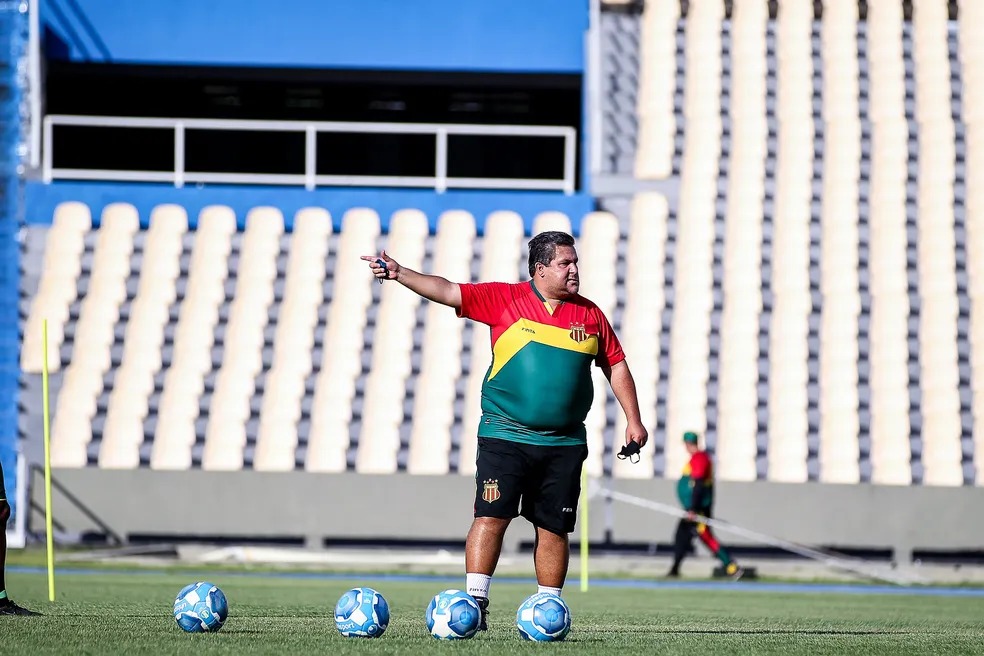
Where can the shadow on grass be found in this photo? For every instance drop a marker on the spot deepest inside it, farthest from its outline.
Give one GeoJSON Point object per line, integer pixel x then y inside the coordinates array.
{"type": "Point", "coordinates": [790, 632]}
{"type": "Point", "coordinates": [831, 632]}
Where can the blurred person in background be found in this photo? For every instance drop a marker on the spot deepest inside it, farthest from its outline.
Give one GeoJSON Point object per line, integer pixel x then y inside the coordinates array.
{"type": "Point", "coordinates": [695, 490]}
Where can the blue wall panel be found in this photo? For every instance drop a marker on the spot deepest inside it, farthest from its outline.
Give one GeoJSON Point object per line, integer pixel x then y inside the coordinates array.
{"type": "Point", "coordinates": [13, 31]}
{"type": "Point", "coordinates": [43, 198]}
{"type": "Point", "coordinates": [486, 35]}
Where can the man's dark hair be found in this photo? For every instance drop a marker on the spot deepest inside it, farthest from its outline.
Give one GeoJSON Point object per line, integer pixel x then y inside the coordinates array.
{"type": "Point", "coordinates": [544, 246]}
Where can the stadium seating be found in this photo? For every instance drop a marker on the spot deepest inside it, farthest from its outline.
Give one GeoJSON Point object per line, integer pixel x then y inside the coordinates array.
{"type": "Point", "coordinates": [969, 54]}
{"type": "Point", "coordinates": [644, 301]}
{"type": "Point", "coordinates": [738, 375]}
{"type": "Point", "coordinates": [386, 382]}
{"type": "Point", "coordinates": [434, 400]}
{"type": "Point", "coordinates": [194, 336]}
{"type": "Point", "coordinates": [938, 350]}
{"type": "Point", "coordinates": [501, 247]}
{"type": "Point", "coordinates": [657, 81]}
{"type": "Point", "coordinates": [863, 322]}
{"type": "Point", "coordinates": [805, 288]}
{"type": "Point", "coordinates": [106, 290]}
{"type": "Point", "coordinates": [143, 339]}
{"type": "Point", "coordinates": [788, 374]}
{"type": "Point", "coordinates": [62, 266]}
{"type": "Point", "coordinates": [342, 344]}
{"type": "Point", "coordinates": [598, 264]}
{"type": "Point", "coordinates": [293, 342]}
{"type": "Point", "coordinates": [839, 448]}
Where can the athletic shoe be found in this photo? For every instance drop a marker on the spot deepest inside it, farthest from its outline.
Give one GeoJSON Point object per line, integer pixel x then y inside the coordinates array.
{"type": "Point", "coordinates": [483, 604]}
{"type": "Point", "coordinates": [8, 607]}
{"type": "Point", "coordinates": [735, 571]}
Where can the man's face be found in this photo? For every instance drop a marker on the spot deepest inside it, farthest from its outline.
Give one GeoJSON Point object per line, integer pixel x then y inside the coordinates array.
{"type": "Point", "coordinates": [560, 278]}
{"type": "Point", "coordinates": [691, 447]}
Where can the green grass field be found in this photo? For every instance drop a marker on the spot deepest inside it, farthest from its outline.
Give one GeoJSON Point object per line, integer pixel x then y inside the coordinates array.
{"type": "Point", "coordinates": [129, 613]}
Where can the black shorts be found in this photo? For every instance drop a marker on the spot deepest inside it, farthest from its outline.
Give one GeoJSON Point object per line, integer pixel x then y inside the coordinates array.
{"type": "Point", "coordinates": [546, 478]}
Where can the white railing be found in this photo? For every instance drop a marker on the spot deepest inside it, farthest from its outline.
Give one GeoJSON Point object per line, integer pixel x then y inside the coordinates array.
{"type": "Point", "coordinates": [34, 82]}
{"type": "Point", "coordinates": [17, 533]}
{"type": "Point", "coordinates": [440, 181]}
{"type": "Point", "coordinates": [592, 67]}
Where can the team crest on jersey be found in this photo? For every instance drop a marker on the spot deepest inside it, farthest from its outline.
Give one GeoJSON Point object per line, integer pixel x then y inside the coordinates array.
{"type": "Point", "coordinates": [491, 492]}
{"type": "Point", "coordinates": [578, 333]}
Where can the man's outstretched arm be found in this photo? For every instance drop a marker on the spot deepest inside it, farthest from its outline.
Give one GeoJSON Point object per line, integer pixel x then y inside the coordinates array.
{"type": "Point", "coordinates": [623, 385]}
{"type": "Point", "coordinates": [433, 288]}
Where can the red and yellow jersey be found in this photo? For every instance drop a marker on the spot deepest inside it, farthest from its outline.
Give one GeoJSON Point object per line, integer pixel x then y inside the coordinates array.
{"type": "Point", "coordinates": [538, 389]}
{"type": "Point", "coordinates": [699, 468]}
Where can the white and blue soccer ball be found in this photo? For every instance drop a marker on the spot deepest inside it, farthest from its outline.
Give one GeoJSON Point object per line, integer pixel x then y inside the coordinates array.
{"type": "Point", "coordinates": [362, 613]}
{"type": "Point", "coordinates": [201, 607]}
{"type": "Point", "coordinates": [453, 615]}
{"type": "Point", "coordinates": [544, 617]}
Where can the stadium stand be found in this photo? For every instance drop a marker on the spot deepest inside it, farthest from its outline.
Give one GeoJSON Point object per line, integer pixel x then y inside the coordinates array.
{"type": "Point", "coordinates": [500, 260]}
{"type": "Point", "coordinates": [342, 343]}
{"type": "Point", "coordinates": [839, 446]}
{"type": "Point", "coordinates": [386, 382]}
{"type": "Point", "coordinates": [742, 275]}
{"type": "Point", "coordinates": [194, 334]}
{"type": "Point", "coordinates": [284, 384]}
{"type": "Point", "coordinates": [807, 297]}
{"type": "Point", "coordinates": [965, 56]}
{"type": "Point", "coordinates": [644, 301]}
{"type": "Point", "coordinates": [657, 81]}
{"type": "Point", "coordinates": [599, 270]}
{"type": "Point", "coordinates": [434, 404]}
{"type": "Point", "coordinates": [854, 285]}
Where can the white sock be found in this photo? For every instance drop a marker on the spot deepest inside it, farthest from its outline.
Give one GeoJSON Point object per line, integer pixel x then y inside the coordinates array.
{"type": "Point", "coordinates": [478, 584]}
{"type": "Point", "coordinates": [547, 588]}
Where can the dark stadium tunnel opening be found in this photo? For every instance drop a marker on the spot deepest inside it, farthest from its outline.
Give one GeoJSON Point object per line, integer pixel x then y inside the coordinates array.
{"type": "Point", "coordinates": [763, 552]}
{"type": "Point", "coordinates": [389, 543]}
{"type": "Point", "coordinates": [312, 95]}
{"type": "Point", "coordinates": [219, 540]}
{"type": "Point", "coordinates": [949, 556]}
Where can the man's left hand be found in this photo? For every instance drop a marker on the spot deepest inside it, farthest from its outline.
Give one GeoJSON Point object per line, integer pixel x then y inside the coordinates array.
{"type": "Point", "coordinates": [636, 432]}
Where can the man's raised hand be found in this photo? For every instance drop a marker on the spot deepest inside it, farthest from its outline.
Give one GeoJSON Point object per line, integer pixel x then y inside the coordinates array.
{"type": "Point", "coordinates": [382, 266]}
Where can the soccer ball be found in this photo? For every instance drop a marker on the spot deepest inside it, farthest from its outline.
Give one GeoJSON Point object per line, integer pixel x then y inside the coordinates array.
{"type": "Point", "coordinates": [362, 613]}
{"type": "Point", "coordinates": [544, 617]}
{"type": "Point", "coordinates": [200, 607]}
{"type": "Point", "coordinates": [453, 615]}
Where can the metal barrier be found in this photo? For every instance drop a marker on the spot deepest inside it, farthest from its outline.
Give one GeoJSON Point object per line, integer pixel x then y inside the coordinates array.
{"type": "Point", "coordinates": [310, 179]}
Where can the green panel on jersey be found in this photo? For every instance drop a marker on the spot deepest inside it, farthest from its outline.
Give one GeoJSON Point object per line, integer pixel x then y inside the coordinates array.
{"type": "Point", "coordinates": [544, 391]}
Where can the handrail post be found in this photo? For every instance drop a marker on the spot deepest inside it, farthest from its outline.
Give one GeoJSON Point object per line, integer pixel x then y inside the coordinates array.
{"type": "Point", "coordinates": [34, 79]}
{"type": "Point", "coordinates": [179, 154]}
{"type": "Point", "coordinates": [570, 155]}
{"type": "Point", "coordinates": [593, 79]}
{"type": "Point", "coordinates": [310, 157]}
{"type": "Point", "coordinates": [46, 152]}
{"type": "Point", "coordinates": [442, 161]}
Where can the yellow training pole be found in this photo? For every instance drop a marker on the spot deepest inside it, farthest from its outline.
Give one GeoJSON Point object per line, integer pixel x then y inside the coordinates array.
{"type": "Point", "coordinates": [47, 463]}
{"type": "Point", "coordinates": [584, 529]}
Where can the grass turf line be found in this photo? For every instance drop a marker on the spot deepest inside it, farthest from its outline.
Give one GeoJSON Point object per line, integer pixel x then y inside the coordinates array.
{"type": "Point", "coordinates": [115, 614]}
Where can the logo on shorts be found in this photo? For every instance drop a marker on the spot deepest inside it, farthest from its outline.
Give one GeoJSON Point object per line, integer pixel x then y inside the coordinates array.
{"type": "Point", "coordinates": [578, 333]}
{"type": "Point", "coordinates": [491, 492]}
